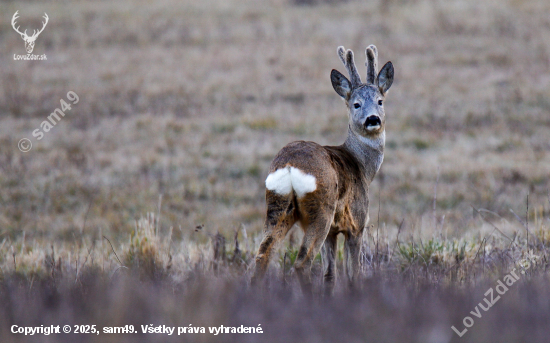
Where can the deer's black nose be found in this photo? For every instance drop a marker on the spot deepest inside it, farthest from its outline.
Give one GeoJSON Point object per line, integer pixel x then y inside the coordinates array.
{"type": "Point", "coordinates": [373, 121]}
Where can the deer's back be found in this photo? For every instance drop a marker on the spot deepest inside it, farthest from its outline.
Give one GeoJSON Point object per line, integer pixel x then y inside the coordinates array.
{"type": "Point", "coordinates": [320, 174]}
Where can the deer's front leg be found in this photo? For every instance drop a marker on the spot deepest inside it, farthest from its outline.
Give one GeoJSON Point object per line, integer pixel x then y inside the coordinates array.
{"type": "Point", "coordinates": [329, 260]}
{"type": "Point", "coordinates": [352, 254]}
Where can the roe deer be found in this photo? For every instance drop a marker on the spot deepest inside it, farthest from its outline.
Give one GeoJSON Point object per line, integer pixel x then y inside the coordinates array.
{"type": "Point", "coordinates": [325, 188]}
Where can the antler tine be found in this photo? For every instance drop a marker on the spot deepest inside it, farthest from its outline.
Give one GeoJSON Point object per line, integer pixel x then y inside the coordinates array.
{"type": "Point", "coordinates": [44, 23]}
{"type": "Point", "coordinates": [14, 18]}
{"type": "Point", "coordinates": [347, 59]}
{"type": "Point", "coordinates": [371, 63]}
{"type": "Point", "coordinates": [341, 53]}
{"type": "Point", "coordinates": [14, 22]}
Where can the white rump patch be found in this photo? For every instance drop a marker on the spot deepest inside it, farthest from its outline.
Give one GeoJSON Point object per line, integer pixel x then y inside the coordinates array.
{"type": "Point", "coordinates": [279, 181]}
{"type": "Point", "coordinates": [283, 181]}
{"type": "Point", "coordinates": [302, 183]}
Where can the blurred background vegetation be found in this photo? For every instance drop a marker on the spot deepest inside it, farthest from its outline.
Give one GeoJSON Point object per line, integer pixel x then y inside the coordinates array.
{"type": "Point", "coordinates": [192, 100]}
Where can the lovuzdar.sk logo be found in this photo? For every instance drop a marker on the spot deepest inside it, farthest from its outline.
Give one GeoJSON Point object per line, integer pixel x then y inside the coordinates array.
{"type": "Point", "coordinates": [29, 40]}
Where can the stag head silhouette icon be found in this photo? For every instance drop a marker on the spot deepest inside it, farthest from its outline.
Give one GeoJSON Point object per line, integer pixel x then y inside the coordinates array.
{"type": "Point", "coordinates": [29, 40]}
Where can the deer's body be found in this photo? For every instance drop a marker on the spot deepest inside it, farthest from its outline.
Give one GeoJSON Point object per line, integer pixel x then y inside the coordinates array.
{"type": "Point", "coordinates": [325, 188]}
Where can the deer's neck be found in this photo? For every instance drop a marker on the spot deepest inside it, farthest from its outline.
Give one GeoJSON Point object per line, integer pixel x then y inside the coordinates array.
{"type": "Point", "coordinates": [368, 151]}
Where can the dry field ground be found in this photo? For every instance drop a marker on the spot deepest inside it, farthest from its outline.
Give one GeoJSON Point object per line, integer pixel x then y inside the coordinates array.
{"type": "Point", "coordinates": [145, 203]}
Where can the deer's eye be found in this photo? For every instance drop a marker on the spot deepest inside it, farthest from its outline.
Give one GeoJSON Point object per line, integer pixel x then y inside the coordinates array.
{"type": "Point", "coordinates": [357, 105]}
{"type": "Point", "coordinates": [379, 102]}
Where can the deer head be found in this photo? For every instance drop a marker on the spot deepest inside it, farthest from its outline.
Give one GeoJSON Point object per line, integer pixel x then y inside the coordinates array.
{"type": "Point", "coordinates": [365, 101]}
{"type": "Point", "coordinates": [29, 40]}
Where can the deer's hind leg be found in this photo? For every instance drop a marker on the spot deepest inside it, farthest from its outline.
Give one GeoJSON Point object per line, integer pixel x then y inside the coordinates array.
{"type": "Point", "coordinates": [316, 224]}
{"type": "Point", "coordinates": [281, 215]}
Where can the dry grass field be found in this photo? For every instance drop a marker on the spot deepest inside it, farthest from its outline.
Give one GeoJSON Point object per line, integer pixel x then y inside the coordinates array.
{"type": "Point", "coordinates": [145, 203]}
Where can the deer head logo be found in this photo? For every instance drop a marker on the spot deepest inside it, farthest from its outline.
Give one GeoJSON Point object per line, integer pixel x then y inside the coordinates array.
{"type": "Point", "coordinates": [29, 40]}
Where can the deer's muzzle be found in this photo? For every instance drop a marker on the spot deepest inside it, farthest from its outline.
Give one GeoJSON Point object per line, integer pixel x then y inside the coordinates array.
{"type": "Point", "coordinates": [373, 123]}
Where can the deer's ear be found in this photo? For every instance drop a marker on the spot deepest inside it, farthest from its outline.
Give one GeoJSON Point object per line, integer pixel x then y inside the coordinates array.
{"type": "Point", "coordinates": [340, 83]}
{"type": "Point", "coordinates": [385, 77]}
